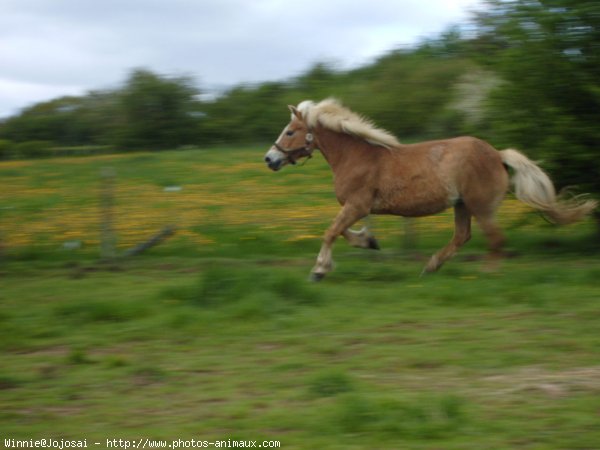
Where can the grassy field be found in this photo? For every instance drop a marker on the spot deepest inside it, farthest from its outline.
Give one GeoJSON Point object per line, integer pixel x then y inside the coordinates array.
{"type": "Point", "coordinates": [216, 334]}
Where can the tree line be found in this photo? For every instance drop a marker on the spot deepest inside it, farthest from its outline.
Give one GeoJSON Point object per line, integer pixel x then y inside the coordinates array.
{"type": "Point", "coordinates": [524, 73]}
{"type": "Point", "coordinates": [405, 91]}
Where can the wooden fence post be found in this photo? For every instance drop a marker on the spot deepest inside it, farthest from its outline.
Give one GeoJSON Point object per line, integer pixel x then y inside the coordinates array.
{"type": "Point", "coordinates": [409, 238]}
{"type": "Point", "coordinates": [108, 238]}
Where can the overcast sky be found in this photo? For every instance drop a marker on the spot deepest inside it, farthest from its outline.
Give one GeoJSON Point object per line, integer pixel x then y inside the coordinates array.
{"type": "Point", "coordinates": [51, 48]}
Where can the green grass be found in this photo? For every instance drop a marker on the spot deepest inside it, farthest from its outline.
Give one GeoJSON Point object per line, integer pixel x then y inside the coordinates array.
{"type": "Point", "coordinates": [230, 340]}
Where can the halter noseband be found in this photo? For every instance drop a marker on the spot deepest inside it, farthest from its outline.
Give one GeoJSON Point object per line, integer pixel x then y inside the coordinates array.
{"type": "Point", "coordinates": [295, 154]}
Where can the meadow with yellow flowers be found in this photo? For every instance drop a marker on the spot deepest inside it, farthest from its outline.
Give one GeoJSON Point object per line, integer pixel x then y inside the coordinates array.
{"type": "Point", "coordinates": [216, 333]}
{"type": "Point", "coordinates": [49, 202]}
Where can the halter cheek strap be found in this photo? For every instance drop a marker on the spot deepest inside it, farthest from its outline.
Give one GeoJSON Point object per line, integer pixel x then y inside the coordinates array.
{"type": "Point", "coordinates": [296, 153]}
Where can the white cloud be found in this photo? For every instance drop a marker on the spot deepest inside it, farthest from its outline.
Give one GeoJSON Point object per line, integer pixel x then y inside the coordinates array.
{"type": "Point", "coordinates": [61, 47]}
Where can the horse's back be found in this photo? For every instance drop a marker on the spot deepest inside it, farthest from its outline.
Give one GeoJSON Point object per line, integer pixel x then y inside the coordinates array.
{"type": "Point", "coordinates": [428, 177]}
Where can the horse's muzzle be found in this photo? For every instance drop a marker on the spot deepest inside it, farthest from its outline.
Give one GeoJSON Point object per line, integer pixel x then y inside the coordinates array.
{"type": "Point", "coordinates": [274, 159]}
{"type": "Point", "coordinates": [273, 165]}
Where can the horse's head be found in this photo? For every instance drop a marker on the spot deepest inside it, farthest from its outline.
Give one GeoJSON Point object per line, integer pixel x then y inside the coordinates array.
{"type": "Point", "coordinates": [295, 142]}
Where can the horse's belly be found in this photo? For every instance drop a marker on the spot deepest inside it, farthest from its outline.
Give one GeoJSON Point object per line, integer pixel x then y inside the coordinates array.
{"type": "Point", "coordinates": [410, 206]}
{"type": "Point", "coordinates": [419, 211]}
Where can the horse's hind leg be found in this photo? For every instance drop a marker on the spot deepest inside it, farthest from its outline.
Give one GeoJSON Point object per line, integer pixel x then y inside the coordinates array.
{"type": "Point", "coordinates": [462, 233]}
{"type": "Point", "coordinates": [495, 238]}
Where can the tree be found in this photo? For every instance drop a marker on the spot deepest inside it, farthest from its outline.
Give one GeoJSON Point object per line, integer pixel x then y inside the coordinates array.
{"type": "Point", "coordinates": [158, 112]}
{"type": "Point", "coordinates": [55, 121]}
{"type": "Point", "coordinates": [547, 54]}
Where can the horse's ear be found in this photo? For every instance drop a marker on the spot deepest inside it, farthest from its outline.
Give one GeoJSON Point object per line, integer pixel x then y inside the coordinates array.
{"type": "Point", "coordinates": [295, 112]}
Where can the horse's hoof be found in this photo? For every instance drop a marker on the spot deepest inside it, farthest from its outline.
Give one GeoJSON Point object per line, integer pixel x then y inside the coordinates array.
{"type": "Point", "coordinates": [427, 271]}
{"type": "Point", "coordinates": [315, 277]}
{"type": "Point", "coordinates": [432, 266]}
{"type": "Point", "coordinates": [373, 244]}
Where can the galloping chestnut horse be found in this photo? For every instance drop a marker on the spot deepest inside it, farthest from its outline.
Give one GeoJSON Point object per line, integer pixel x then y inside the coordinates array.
{"type": "Point", "coordinates": [376, 174]}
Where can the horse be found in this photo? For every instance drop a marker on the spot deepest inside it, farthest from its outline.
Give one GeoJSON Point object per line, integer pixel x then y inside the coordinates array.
{"type": "Point", "coordinates": [375, 174]}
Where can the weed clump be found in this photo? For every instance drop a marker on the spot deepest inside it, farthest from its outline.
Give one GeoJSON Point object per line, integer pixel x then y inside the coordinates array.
{"type": "Point", "coordinates": [245, 291]}
{"type": "Point", "coordinates": [417, 419]}
{"type": "Point", "coordinates": [106, 310]}
{"type": "Point", "coordinates": [78, 357]}
{"type": "Point", "coordinates": [9, 382]}
{"type": "Point", "coordinates": [328, 384]}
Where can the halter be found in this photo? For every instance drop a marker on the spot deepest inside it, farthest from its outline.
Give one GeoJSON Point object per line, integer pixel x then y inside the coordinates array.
{"type": "Point", "coordinates": [294, 154]}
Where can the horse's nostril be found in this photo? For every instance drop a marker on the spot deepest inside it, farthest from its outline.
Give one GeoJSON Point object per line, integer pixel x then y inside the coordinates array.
{"type": "Point", "coordinates": [267, 159]}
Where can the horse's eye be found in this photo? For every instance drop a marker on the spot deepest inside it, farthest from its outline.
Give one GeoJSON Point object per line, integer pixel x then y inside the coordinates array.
{"type": "Point", "coordinates": [290, 133]}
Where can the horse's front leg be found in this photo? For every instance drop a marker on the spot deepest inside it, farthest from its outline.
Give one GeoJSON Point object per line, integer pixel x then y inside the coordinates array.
{"type": "Point", "coordinates": [362, 238]}
{"type": "Point", "coordinates": [349, 215]}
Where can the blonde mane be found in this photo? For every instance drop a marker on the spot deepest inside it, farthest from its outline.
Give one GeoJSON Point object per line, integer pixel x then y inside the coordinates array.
{"type": "Point", "coordinates": [332, 115]}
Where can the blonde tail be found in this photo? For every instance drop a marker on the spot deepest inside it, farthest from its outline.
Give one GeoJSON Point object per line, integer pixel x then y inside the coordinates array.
{"type": "Point", "coordinates": [534, 187]}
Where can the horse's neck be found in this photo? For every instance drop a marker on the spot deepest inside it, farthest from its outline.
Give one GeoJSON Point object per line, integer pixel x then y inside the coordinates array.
{"type": "Point", "coordinates": [337, 148]}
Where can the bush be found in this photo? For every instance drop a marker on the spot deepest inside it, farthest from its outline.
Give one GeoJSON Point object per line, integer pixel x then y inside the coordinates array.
{"type": "Point", "coordinates": [33, 149]}
{"type": "Point", "coordinates": [6, 149]}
